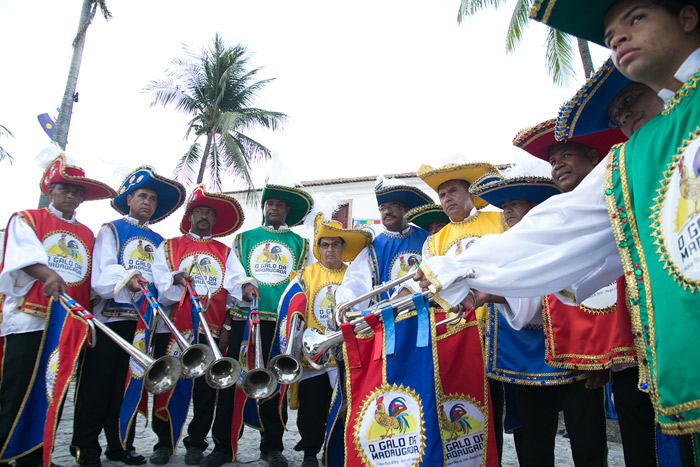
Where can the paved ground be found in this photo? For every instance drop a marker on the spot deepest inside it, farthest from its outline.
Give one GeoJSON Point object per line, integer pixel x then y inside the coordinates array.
{"type": "Point", "coordinates": [249, 453]}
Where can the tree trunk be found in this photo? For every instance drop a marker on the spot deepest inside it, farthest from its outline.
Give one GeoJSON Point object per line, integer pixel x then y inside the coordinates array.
{"type": "Point", "coordinates": [60, 134]}
{"type": "Point", "coordinates": [585, 52]}
{"type": "Point", "coordinates": [203, 165]}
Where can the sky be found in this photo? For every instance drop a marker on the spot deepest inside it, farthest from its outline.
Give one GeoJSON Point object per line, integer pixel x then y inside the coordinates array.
{"type": "Point", "coordinates": [370, 87]}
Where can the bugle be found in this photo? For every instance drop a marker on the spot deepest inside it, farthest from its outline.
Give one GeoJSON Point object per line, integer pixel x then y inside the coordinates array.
{"type": "Point", "coordinates": [258, 382]}
{"type": "Point", "coordinates": [222, 372]}
{"type": "Point", "coordinates": [286, 366]}
{"type": "Point", "coordinates": [194, 358]}
{"type": "Point", "coordinates": [159, 375]}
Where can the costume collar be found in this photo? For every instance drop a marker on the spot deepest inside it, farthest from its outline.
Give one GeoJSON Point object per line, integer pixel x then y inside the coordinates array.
{"type": "Point", "coordinates": [403, 232]}
{"type": "Point", "coordinates": [686, 71]}
{"type": "Point", "coordinates": [131, 220]}
{"type": "Point", "coordinates": [59, 214]}
{"type": "Point", "coordinates": [281, 227]}
{"type": "Point", "coordinates": [194, 235]}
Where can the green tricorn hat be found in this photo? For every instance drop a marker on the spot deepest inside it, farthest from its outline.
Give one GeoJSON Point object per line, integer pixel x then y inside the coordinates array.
{"type": "Point", "coordinates": [299, 201]}
{"type": "Point", "coordinates": [425, 215]}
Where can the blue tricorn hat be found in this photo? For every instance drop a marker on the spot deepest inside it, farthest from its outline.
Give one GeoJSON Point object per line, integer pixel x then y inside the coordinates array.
{"type": "Point", "coordinates": [496, 190]}
{"type": "Point", "coordinates": [393, 190]}
{"type": "Point", "coordinates": [587, 111]}
{"type": "Point", "coordinates": [171, 194]}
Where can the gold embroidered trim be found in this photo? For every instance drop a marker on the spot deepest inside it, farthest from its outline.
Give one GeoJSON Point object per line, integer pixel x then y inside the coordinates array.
{"type": "Point", "coordinates": [684, 91]}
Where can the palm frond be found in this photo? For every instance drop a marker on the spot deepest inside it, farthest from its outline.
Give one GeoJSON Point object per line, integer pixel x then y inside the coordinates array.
{"type": "Point", "coordinates": [3, 153]}
{"type": "Point", "coordinates": [214, 164]}
{"type": "Point", "coordinates": [184, 170]}
{"type": "Point", "coordinates": [518, 22]}
{"type": "Point", "coordinates": [559, 56]}
{"type": "Point", "coordinates": [102, 4]}
{"type": "Point", "coordinates": [471, 7]}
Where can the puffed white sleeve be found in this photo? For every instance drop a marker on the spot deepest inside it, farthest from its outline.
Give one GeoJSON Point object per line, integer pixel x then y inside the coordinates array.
{"type": "Point", "coordinates": [22, 249]}
{"type": "Point", "coordinates": [357, 280]}
{"type": "Point", "coordinates": [235, 277]}
{"type": "Point", "coordinates": [109, 278]}
{"type": "Point", "coordinates": [168, 292]}
{"type": "Point", "coordinates": [564, 242]}
{"type": "Point", "coordinates": [520, 312]}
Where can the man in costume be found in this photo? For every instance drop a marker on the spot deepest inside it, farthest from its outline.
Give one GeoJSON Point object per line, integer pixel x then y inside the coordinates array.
{"type": "Point", "coordinates": [333, 246]}
{"type": "Point", "coordinates": [269, 254]}
{"type": "Point", "coordinates": [393, 252]}
{"type": "Point", "coordinates": [123, 257]}
{"type": "Point", "coordinates": [46, 251]}
{"type": "Point", "coordinates": [207, 216]}
{"type": "Point", "coordinates": [430, 217]}
{"type": "Point", "coordinates": [634, 213]}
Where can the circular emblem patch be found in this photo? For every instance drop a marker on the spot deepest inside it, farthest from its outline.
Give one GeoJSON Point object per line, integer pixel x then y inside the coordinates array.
{"type": "Point", "coordinates": [324, 301]}
{"type": "Point", "coordinates": [68, 256]}
{"type": "Point", "coordinates": [403, 263]}
{"type": "Point", "coordinates": [389, 429]}
{"type": "Point", "coordinates": [462, 430]}
{"type": "Point", "coordinates": [271, 263]}
{"type": "Point", "coordinates": [140, 343]}
{"type": "Point", "coordinates": [603, 301]}
{"type": "Point", "coordinates": [139, 254]}
{"type": "Point", "coordinates": [680, 215]}
{"type": "Point", "coordinates": [212, 272]}
{"type": "Point", "coordinates": [460, 246]}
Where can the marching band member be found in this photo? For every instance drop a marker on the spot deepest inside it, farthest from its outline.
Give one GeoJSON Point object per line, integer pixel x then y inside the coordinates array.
{"type": "Point", "coordinates": [333, 246]}
{"type": "Point", "coordinates": [123, 256]}
{"type": "Point", "coordinates": [393, 252]}
{"type": "Point", "coordinates": [46, 251]}
{"type": "Point", "coordinates": [430, 217]}
{"type": "Point", "coordinates": [208, 215]}
{"type": "Point", "coordinates": [269, 254]}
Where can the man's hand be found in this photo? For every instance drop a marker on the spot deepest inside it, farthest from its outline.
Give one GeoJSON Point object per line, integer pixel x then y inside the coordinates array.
{"type": "Point", "coordinates": [596, 378]}
{"type": "Point", "coordinates": [53, 284]}
{"type": "Point", "coordinates": [182, 278]}
{"type": "Point", "coordinates": [422, 280]}
{"type": "Point", "coordinates": [250, 291]}
{"type": "Point", "coordinates": [223, 340]}
{"type": "Point", "coordinates": [133, 284]}
{"type": "Point", "coordinates": [403, 292]}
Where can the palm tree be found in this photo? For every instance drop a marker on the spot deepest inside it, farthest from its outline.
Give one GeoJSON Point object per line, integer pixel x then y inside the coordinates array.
{"type": "Point", "coordinates": [559, 53]}
{"type": "Point", "coordinates": [3, 154]}
{"type": "Point", "coordinates": [216, 89]}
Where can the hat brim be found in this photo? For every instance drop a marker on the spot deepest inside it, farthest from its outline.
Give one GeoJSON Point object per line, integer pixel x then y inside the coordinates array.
{"type": "Point", "coordinates": [469, 172]}
{"type": "Point", "coordinates": [587, 111]}
{"type": "Point", "coordinates": [496, 191]}
{"type": "Point", "coordinates": [94, 189]}
{"type": "Point", "coordinates": [410, 195]}
{"type": "Point", "coordinates": [355, 239]}
{"type": "Point", "coordinates": [580, 18]}
{"type": "Point", "coordinates": [171, 194]}
{"type": "Point", "coordinates": [425, 215]}
{"type": "Point", "coordinates": [229, 214]}
{"type": "Point", "coordinates": [299, 201]}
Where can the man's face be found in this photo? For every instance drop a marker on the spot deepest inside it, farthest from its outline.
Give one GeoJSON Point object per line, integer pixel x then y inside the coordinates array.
{"type": "Point", "coordinates": [66, 197]}
{"type": "Point", "coordinates": [515, 209]}
{"type": "Point", "coordinates": [571, 162]}
{"type": "Point", "coordinates": [275, 211]}
{"type": "Point", "coordinates": [202, 219]}
{"type": "Point", "coordinates": [632, 107]}
{"type": "Point", "coordinates": [647, 42]}
{"type": "Point", "coordinates": [331, 251]}
{"type": "Point", "coordinates": [435, 226]}
{"type": "Point", "coordinates": [392, 213]}
{"type": "Point", "coordinates": [455, 199]}
{"type": "Point", "coordinates": [142, 204]}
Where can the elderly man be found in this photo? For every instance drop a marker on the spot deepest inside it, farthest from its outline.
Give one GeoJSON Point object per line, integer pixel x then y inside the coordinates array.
{"type": "Point", "coordinates": [46, 251]}
{"type": "Point", "coordinates": [333, 246]}
{"type": "Point", "coordinates": [123, 257]}
{"type": "Point", "coordinates": [633, 216]}
{"type": "Point", "coordinates": [393, 252]}
{"type": "Point", "coordinates": [208, 215]}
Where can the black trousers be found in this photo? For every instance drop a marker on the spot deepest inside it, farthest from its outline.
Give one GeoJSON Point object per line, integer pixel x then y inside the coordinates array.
{"type": "Point", "coordinates": [20, 353]}
{"type": "Point", "coordinates": [498, 401]}
{"type": "Point", "coordinates": [273, 429]}
{"type": "Point", "coordinates": [636, 417]}
{"type": "Point", "coordinates": [314, 401]}
{"type": "Point", "coordinates": [203, 403]}
{"type": "Point", "coordinates": [584, 417]}
{"type": "Point", "coordinates": [99, 395]}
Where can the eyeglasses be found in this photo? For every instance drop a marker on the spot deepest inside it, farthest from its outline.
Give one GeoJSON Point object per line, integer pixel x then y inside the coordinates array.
{"type": "Point", "coordinates": [390, 207]}
{"type": "Point", "coordinates": [326, 245]}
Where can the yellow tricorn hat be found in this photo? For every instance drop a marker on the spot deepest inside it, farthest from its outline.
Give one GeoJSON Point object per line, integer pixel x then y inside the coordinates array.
{"type": "Point", "coordinates": [468, 172]}
{"type": "Point", "coordinates": [355, 239]}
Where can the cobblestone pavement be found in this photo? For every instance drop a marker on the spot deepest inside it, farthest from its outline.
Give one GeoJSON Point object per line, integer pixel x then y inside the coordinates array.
{"type": "Point", "coordinates": [249, 453]}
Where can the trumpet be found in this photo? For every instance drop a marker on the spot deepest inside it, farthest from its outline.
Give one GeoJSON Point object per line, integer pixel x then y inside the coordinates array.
{"type": "Point", "coordinates": [159, 375]}
{"type": "Point", "coordinates": [258, 382]}
{"type": "Point", "coordinates": [195, 358]}
{"type": "Point", "coordinates": [286, 366]}
{"type": "Point", "coordinates": [317, 346]}
{"type": "Point", "coordinates": [222, 372]}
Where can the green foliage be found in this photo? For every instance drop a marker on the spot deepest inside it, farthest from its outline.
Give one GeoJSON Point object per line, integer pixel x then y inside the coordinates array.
{"type": "Point", "coordinates": [216, 88]}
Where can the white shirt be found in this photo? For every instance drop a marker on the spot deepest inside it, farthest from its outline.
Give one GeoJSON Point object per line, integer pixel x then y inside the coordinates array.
{"type": "Point", "coordinates": [686, 71]}
{"type": "Point", "coordinates": [22, 249]}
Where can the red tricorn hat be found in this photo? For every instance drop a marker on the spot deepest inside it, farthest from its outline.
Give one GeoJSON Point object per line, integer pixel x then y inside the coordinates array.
{"type": "Point", "coordinates": [229, 214]}
{"type": "Point", "coordinates": [59, 171]}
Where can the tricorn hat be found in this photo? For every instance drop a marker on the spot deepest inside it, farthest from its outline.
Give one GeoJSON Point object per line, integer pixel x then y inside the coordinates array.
{"type": "Point", "coordinates": [355, 239]}
{"type": "Point", "coordinates": [59, 171]}
{"type": "Point", "coordinates": [229, 214]}
{"type": "Point", "coordinates": [171, 194]}
{"type": "Point", "coordinates": [469, 172]}
{"type": "Point", "coordinates": [393, 189]}
{"type": "Point", "coordinates": [298, 200]}
{"type": "Point", "coordinates": [425, 215]}
{"type": "Point", "coordinates": [498, 190]}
